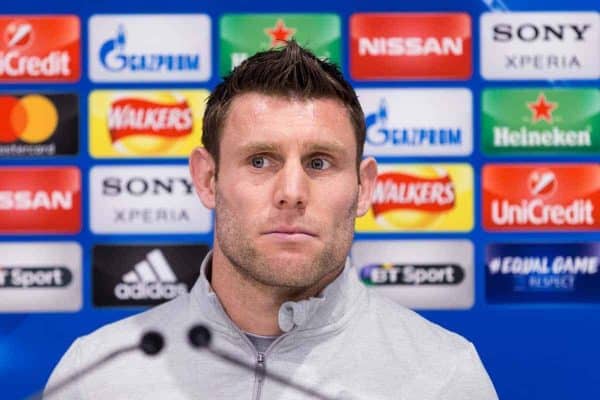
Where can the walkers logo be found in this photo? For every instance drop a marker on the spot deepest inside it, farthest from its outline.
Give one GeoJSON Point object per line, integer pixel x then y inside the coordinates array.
{"type": "Point", "coordinates": [538, 197]}
{"type": "Point", "coordinates": [419, 197]}
{"type": "Point", "coordinates": [157, 48]}
{"type": "Point", "coordinates": [40, 200]}
{"type": "Point", "coordinates": [145, 123]}
{"type": "Point", "coordinates": [418, 274]}
{"type": "Point", "coordinates": [540, 45]}
{"type": "Point", "coordinates": [401, 122]}
{"type": "Point", "coordinates": [144, 275]}
{"type": "Point", "coordinates": [35, 48]}
{"type": "Point", "coordinates": [541, 121]}
{"type": "Point", "coordinates": [145, 199]}
{"type": "Point", "coordinates": [38, 276]}
{"type": "Point", "coordinates": [242, 35]}
{"type": "Point", "coordinates": [39, 125]}
{"type": "Point", "coordinates": [543, 272]}
{"type": "Point", "coordinates": [410, 46]}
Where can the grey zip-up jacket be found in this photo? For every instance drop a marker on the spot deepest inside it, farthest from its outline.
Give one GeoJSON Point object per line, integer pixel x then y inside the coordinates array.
{"type": "Point", "coordinates": [348, 343]}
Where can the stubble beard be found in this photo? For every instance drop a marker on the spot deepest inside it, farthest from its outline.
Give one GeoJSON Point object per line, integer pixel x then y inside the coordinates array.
{"type": "Point", "coordinates": [271, 270]}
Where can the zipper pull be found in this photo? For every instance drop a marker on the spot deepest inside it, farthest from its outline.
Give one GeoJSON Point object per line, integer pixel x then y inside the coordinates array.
{"type": "Point", "coordinates": [260, 366]}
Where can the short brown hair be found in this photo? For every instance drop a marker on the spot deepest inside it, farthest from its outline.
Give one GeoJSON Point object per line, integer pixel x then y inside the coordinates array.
{"type": "Point", "coordinates": [291, 72]}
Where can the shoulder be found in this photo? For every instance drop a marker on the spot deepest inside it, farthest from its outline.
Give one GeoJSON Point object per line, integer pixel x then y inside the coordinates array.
{"type": "Point", "coordinates": [447, 361]}
{"type": "Point", "coordinates": [415, 328]}
{"type": "Point", "coordinates": [426, 345]}
{"type": "Point", "coordinates": [129, 330]}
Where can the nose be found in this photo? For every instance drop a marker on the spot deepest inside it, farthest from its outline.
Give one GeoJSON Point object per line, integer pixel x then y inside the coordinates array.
{"type": "Point", "coordinates": [292, 186]}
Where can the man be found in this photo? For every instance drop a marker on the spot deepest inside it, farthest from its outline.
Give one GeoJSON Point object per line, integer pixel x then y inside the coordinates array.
{"type": "Point", "coordinates": [282, 167]}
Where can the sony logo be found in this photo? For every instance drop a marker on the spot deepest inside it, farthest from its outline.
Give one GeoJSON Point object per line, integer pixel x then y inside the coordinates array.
{"type": "Point", "coordinates": [140, 186]}
{"type": "Point", "coordinates": [530, 32]}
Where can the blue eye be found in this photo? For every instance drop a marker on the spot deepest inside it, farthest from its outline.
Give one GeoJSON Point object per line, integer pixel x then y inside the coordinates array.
{"type": "Point", "coordinates": [319, 163]}
{"type": "Point", "coordinates": [259, 162]}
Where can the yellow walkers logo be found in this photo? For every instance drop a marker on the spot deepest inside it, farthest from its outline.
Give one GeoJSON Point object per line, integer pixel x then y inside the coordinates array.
{"type": "Point", "coordinates": [145, 123]}
{"type": "Point", "coordinates": [414, 197]}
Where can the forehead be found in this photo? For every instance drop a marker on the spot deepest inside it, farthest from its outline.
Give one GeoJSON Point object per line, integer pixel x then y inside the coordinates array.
{"type": "Point", "coordinates": [258, 117]}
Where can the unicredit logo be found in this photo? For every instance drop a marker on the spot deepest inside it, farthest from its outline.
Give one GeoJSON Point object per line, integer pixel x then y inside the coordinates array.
{"type": "Point", "coordinates": [542, 197]}
{"type": "Point", "coordinates": [115, 58]}
{"type": "Point", "coordinates": [410, 46]}
{"type": "Point", "coordinates": [28, 51]}
{"type": "Point", "coordinates": [18, 34]}
{"type": "Point", "coordinates": [38, 200]}
{"type": "Point", "coordinates": [542, 182]}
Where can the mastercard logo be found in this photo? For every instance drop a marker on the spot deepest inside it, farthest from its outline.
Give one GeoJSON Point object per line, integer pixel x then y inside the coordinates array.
{"type": "Point", "coordinates": [31, 119]}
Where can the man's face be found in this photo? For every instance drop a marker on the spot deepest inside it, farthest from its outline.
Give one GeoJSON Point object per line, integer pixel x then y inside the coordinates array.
{"type": "Point", "coordinates": [287, 190]}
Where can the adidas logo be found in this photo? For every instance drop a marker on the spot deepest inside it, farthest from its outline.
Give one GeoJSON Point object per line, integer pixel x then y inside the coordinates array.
{"type": "Point", "coordinates": [152, 278]}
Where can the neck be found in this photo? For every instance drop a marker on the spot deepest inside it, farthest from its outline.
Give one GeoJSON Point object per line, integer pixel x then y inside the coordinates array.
{"type": "Point", "coordinates": [251, 305]}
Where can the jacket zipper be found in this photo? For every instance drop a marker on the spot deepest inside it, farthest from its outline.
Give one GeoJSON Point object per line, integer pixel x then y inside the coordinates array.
{"type": "Point", "coordinates": [260, 368]}
{"type": "Point", "coordinates": [259, 374]}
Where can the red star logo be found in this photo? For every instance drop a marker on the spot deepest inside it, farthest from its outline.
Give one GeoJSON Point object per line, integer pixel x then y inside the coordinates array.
{"type": "Point", "coordinates": [542, 108]}
{"type": "Point", "coordinates": [280, 34]}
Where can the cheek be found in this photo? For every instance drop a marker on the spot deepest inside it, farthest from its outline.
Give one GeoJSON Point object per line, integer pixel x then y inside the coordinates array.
{"type": "Point", "coordinates": [241, 199]}
{"type": "Point", "coordinates": [339, 205]}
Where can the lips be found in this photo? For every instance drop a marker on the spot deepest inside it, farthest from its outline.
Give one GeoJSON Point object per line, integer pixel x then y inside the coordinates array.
{"type": "Point", "coordinates": [290, 231]}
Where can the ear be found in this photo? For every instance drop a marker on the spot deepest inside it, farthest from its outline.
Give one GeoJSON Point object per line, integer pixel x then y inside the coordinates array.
{"type": "Point", "coordinates": [203, 171]}
{"type": "Point", "coordinates": [368, 177]}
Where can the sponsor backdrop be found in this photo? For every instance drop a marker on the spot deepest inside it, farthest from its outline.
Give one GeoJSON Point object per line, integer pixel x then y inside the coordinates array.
{"type": "Point", "coordinates": [483, 115]}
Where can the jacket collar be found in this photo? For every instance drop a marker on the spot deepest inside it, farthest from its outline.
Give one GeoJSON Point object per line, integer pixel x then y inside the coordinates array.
{"type": "Point", "coordinates": [328, 311]}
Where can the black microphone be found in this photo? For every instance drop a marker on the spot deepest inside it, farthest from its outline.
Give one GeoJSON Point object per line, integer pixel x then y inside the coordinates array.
{"type": "Point", "coordinates": [200, 338]}
{"type": "Point", "coordinates": [151, 344]}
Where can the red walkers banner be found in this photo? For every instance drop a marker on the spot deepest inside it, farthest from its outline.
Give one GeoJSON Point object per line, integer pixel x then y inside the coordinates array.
{"type": "Point", "coordinates": [541, 197]}
{"type": "Point", "coordinates": [135, 116]}
{"type": "Point", "coordinates": [40, 48]}
{"type": "Point", "coordinates": [405, 191]}
{"type": "Point", "coordinates": [40, 200]}
{"type": "Point", "coordinates": [410, 46]}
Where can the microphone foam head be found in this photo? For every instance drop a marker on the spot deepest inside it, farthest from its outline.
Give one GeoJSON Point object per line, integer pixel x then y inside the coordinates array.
{"type": "Point", "coordinates": [199, 336]}
{"type": "Point", "coordinates": [152, 343]}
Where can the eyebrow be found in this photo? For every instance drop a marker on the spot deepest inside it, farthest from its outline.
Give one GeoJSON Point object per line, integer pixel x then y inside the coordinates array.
{"type": "Point", "coordinates": [311, 147]}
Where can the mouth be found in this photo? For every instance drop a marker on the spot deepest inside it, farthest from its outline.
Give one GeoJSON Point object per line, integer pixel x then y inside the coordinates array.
{"type": "Point", "coordinates": [290, 233]}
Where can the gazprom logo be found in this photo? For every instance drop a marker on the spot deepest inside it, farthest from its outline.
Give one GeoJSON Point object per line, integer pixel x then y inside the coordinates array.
{"type": "Point", "coordinates": [114, 57]}
{"type": "Point", "coordinates": [379, 133]}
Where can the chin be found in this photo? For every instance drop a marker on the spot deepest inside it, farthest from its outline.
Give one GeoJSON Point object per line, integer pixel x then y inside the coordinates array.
{"type": "Point", "coordinates": [292, 270]}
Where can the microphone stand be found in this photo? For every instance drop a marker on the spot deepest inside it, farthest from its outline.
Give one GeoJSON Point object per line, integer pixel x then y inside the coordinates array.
{"type": "Point", "coordinates": [151, 344]}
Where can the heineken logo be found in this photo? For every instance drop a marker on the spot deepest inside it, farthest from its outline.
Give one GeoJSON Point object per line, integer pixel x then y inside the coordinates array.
{"type": "Point", "coordinates": [535, 121]}
{"type": "Point", "coordinates": [541, 109]}
{"type": "Point", "coordinates": [280, 34]}
{"type": "Point", "coordinates": [242, 35]}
